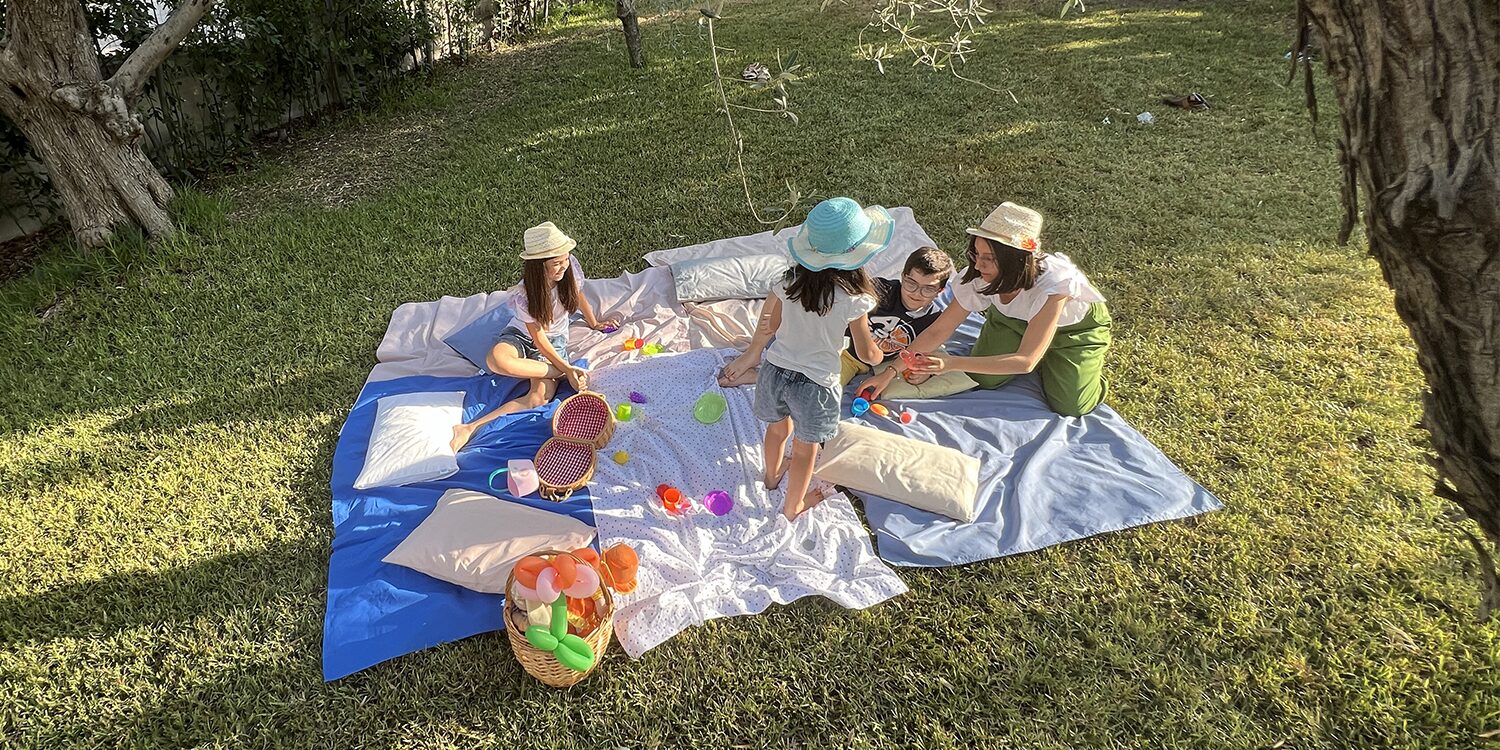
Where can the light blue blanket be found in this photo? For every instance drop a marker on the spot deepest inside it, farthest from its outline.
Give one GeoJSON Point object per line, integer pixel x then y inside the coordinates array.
{"type": "Point", "coordinates": [1044, 479]}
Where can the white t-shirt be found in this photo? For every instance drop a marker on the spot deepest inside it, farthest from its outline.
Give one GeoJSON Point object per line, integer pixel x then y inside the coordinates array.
{"type": "Point", "coordinates": [1058, 276]}
{"type": "Point", "coordinates": [810, 343]}
{"type": "Point", "coordinates": [560, 315]}
{"type": "Point", "coordinates": [559, 324]}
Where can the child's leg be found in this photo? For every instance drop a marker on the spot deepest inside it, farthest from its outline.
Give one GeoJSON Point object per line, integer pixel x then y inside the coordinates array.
{"type": "Point", "coordinates": [506, 359]}
{"type": "Point", "coordinates": [775, 451]}
{"type": "Point", "coordinates": [749, 377]}
{"type": "Point", "coordinates": [804, 457]}
{"type": "Point", "coordinates": [541, 391]}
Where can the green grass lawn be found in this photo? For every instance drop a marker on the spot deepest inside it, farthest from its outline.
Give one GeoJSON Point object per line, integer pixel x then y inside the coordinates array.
{"type": "Point", "coordinates": [170, 411]}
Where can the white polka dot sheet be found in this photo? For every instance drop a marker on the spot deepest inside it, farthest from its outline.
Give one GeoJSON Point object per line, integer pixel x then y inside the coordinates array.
{"type": "Point", "coordinates": [696, 566]}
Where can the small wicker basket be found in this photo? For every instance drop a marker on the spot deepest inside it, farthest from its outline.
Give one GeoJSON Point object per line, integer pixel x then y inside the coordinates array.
{"type": "Point", "coordinates": [565, 463]}
{"type": "Point", "coordinates": [542, 664]}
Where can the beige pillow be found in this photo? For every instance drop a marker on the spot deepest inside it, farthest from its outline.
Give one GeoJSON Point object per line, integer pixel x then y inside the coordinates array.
{"type": "Point", "coordinates": [925, 476]}
{"type": "Point", "coordinates": [937, 386]}
{"type": "Point", "coordinates": [473, 540]}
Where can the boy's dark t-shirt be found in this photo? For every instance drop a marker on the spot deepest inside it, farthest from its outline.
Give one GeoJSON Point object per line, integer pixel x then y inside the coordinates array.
{"type": "Point", "coordinates": [894, 326]}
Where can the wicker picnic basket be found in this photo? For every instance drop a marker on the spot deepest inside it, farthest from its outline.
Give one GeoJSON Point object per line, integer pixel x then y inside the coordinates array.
{"type": "Point", "coordinates": [542, 664]}
{"type": "Point", "coordinates": [581, 426]}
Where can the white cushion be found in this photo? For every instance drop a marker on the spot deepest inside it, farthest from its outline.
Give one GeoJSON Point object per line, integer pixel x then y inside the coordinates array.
{"type": "Point", "coordinates": [925, 476]}
{"type": "Point", "coordinates": [410, 440]}
{"type": "Point", "coordinates": [473, 540]}
{"type": "Point", "coordinates": [740, 277]}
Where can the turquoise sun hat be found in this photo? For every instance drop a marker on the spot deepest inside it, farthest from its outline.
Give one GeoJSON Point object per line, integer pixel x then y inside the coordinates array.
{"type": "Point", "coordinates": [840, 234]}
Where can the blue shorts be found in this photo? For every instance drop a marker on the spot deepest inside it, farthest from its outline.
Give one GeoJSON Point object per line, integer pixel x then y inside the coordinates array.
{"type": "Point", "coordinates": [813, 407]}
{"type": "Point", "coordinates": [526, 348]}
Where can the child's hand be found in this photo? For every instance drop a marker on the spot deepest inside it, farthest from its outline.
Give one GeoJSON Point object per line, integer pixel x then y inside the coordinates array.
{"type": "Point", "coordinates": [578, 378]}
{"type": "Point", "coordinates": [608, 324]}
{"type": "Point", "coordinates": [927, 364]}
{"type": "Point", "coordinates": [879, 382]}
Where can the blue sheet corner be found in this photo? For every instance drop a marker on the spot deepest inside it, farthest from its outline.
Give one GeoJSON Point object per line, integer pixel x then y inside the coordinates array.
{"type": "Point", "coordinates": [377, 611]}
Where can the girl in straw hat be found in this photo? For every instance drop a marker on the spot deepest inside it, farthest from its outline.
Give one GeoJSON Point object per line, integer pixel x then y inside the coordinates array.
{"type": "Point", "coordinates": [1041, 313]}
{"type": "Point", "coordinates": [797, 389]}
{"type": "Point", "coordinates": [535, 344]}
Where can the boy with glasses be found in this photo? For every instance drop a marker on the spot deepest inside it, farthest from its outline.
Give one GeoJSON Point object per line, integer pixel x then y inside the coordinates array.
{"type": "Point", "coordinates": [905, 308]}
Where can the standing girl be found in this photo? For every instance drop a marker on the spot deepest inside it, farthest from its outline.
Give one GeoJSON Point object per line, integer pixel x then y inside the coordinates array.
{"type": "Point", "coordinates": [535, 344]}
{"type": "Point", "coordinates": [797, 390]}
{"type": "Point", "coordinates": [1041, 313]}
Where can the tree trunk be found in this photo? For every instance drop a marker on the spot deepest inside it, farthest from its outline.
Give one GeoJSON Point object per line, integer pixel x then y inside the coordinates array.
{"type": "Point", "coordinates": [104, 181]}
{"type": "Point", "coordinates": [1418, 85]}
{"type": "Point", "coordinates": [625, 9]}
{"type": "Point", "coordinates": [78, 123]}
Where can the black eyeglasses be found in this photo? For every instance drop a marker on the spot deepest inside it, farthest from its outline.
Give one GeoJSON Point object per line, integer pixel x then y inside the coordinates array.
{"type": "Point", "coordinates": [921, 290]}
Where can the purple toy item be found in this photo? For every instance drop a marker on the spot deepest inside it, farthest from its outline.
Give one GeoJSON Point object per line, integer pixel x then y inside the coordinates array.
{"type": "Point", "coordinates": [637, 397]}
{"type": "Point", "coordinates": [609, 329]}
{"type": "Point", "coordinates": [718, 502]}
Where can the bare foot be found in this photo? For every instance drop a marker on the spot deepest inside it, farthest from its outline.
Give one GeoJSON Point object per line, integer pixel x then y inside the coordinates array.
{"type": "Point", "coordinates": [817, 493]}
{"type": "Point", "coordinates": [461, 435]}
{"type": "Point", "coordinates": [745, 378]}
{"type": "Point", "coordinates": [774, 474]}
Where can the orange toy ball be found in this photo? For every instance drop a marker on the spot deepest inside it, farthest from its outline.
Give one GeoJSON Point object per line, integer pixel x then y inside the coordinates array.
{"type": "Point", "coordinates": [527, 569]}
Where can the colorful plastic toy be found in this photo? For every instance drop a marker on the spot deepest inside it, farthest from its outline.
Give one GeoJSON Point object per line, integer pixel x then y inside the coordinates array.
{"type": "Point", "coordinates": [859, 407]}
{"type": "Point", "coordinates": [520, 477]}
{"type": "Point", "coordinates": [907, 416]}
{"type": "Point", "coordinates": [623, 412]}
{"type": "Point", "coordinates": [618, 567]}
{"type": "Point", "coordinates": [718, 502]}
{"type": "Point", "coordinates": [652, 349]}
{"type": "Point", "coordinates": [621, 457]}
{"type": "Point", "coordinates": [880, 409]}
{"type": "Point", "coordinates": [636, 397]}
{"type": "Point", "coordinates": [672, 498]}
{"type": "Point", "coordinates": [866, 393]}
{"type": "Point", "coordinates": [632, 344]}
{"type": "Point", "coordinates": [710, 407]}
{"type": "Point", "coordinates": [609, 329]}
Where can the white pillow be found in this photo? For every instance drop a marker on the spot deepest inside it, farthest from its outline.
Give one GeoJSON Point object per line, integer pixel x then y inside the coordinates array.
{"type": "Point", "coordinates": [740, 277]}
{"type": "Point", "coordinates": [473, 540]}
{"type": "Point", "coordinates": [928, 477]}
{"type": "Point", "coordinates": [410, 440]}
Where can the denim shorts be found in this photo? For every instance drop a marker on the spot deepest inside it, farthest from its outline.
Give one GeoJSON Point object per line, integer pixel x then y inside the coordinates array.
{"type": "Point", "coordinates": [526, 348]}
{"type": "Point", "coordinates": [813, 407]}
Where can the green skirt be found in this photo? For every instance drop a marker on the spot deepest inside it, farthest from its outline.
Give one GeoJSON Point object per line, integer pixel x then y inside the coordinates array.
{"type": "Point", "coordinates": [1072, 370]}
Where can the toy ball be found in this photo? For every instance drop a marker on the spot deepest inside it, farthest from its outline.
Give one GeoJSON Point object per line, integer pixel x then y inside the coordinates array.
{"type": "Point", "coordinates": [718, 502]}
{"type": "Point", "coordinates": [860, 406]}
{"type": "Point", "coordinates": [880, 409]}
{"type": "Point", "coordinates": [636, 397]}
{"type": "Point", "coordinates": [621, 456]}
{"type": "Point", "coordinates": [623, 412]}
{"type": "Point", "coordinates": [867, 392]}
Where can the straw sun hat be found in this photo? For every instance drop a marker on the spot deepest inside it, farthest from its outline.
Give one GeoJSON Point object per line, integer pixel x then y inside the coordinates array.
{"type": "Point", "coordinates": [545, 240]}
{"type": "Point", "coordinates": [1013, 225]}
{"type": "Point", "coordinates": [840, 234]}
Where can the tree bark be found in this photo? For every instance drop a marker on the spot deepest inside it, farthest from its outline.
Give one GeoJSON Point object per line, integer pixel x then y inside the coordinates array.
{"type": "Point", "coordinates": [625, 10]}
{"type": "Point", "coordinates": [79, 124]}
{"type": "Point", "coordinates": [1418, 85]}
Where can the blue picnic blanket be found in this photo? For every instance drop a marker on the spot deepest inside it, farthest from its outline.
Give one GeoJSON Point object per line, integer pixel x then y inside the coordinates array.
{"type": "Point", "coordinates": [377, 611]}
{"type": "Point", "coordinates": [1044, 479]}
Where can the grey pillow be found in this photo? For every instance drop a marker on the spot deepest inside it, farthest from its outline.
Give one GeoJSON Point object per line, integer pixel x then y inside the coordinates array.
{"type": "Point", "coordinates": [738, 277]}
